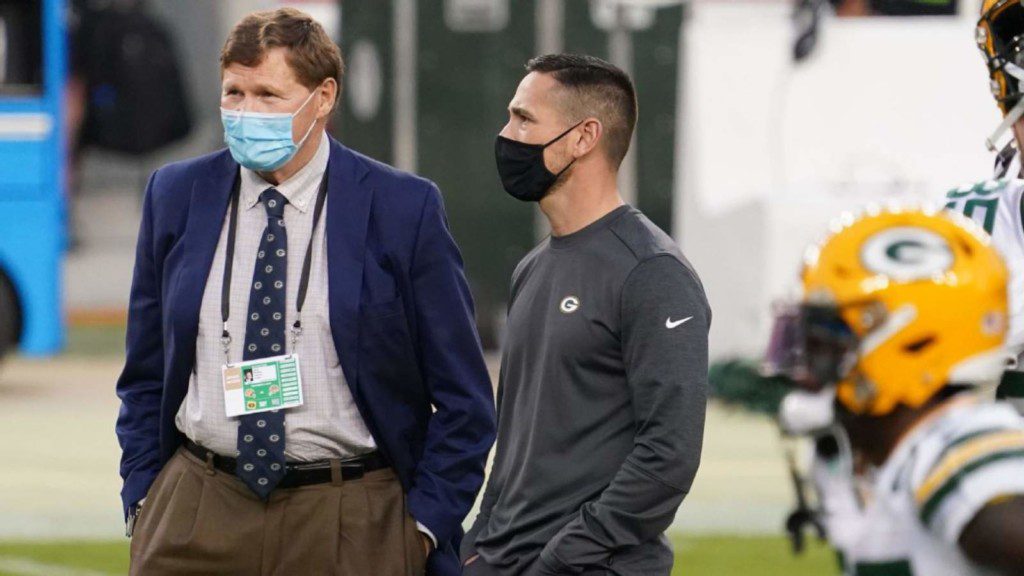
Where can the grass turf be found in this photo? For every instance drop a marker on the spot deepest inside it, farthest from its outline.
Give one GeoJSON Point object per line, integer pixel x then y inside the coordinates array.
{"type": "Point", "coordinates": [697, 556]}
{"type": "Point", "coordinates": [89, 557]}
{"type": "Point", "coordinates": [750, 556]}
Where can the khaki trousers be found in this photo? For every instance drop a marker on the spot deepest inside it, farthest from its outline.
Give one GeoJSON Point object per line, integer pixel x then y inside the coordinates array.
{"type": "Point", "coordinates": [197, 520]}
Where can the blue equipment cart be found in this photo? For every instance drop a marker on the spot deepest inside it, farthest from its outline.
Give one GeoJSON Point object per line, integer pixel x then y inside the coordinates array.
{"type": "Point", "coordinates": [32, 232]}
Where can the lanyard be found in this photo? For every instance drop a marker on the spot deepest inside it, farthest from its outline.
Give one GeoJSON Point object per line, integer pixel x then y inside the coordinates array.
{"type": "Point", "coordinates": [229, 257]}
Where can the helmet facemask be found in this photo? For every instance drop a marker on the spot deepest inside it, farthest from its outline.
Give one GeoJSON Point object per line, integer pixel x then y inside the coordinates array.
{"type": "Point", "coordinates": [813, 346]}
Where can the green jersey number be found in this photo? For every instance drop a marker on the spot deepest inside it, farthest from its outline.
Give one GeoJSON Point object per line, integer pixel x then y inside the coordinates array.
{"type": "Point", "coordinates": [971, 207]}
{"type": "Point", "coordinates": [979, 202]}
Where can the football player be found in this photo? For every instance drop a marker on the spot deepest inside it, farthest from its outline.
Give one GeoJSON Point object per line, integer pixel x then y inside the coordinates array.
{"type": "Point", "coordinates": [998, 204]}
{"type": "Point", "coordinates": [1000, 37]}
{"type": "Point", "coordinates": [903, 317]}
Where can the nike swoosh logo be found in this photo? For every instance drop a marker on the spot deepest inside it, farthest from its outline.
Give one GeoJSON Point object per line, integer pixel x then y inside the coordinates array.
{"type": "Point", "coordinates": [670, 324]}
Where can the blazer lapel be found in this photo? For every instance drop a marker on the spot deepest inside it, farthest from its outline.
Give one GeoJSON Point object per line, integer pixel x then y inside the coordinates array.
{"type": "Point", "coordinates": [207, 207]}
{"type": "Point", "coordinates": [348, 214]}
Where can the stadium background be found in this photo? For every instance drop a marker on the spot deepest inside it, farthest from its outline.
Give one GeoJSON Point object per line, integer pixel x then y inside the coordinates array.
{"type": "Point", "coordinates": [742, 153]}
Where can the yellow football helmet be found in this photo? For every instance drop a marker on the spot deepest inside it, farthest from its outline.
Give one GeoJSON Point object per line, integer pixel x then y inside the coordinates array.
{"type": "Point", "coordinates": [1000, 37]}
{"type": "Point", "coordinates": [897, 303]}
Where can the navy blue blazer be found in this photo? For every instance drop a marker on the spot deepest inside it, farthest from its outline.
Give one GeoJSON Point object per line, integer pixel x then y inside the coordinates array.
{"type": "Point", "coordinates": [401, 315]}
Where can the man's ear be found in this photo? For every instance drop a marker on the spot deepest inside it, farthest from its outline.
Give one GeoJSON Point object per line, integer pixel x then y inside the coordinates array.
{"type": "Point", "coordinates": [329, 94]}
{"type": "Point", "coordinates": [590, 132]}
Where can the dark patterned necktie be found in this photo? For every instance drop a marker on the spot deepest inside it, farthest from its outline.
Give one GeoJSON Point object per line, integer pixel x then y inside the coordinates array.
{"type": "Point", "coordinates": [261, 436]}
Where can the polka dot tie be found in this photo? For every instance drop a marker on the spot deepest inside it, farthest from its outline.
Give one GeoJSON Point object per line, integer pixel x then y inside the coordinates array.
{"type": "Point", "coordinates": [261, 462]}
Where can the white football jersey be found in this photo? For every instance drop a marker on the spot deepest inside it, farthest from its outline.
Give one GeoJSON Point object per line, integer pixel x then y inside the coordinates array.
{"type": "Point", "coordinates": [909, 520]}
{"type": "Point", "coordinates": [996, 205]}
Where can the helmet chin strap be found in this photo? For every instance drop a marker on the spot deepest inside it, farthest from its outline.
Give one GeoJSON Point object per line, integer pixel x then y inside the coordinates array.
{"type": "Point", "coordinates": [1014, 114]}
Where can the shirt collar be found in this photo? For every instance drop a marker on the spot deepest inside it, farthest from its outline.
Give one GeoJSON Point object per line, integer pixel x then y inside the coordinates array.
{"type": "Point", "coordinates": [299, 190]}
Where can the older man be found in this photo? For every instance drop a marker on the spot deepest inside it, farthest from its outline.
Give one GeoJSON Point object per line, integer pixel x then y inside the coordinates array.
{"type": "Point", "coordinates": [356, 441]}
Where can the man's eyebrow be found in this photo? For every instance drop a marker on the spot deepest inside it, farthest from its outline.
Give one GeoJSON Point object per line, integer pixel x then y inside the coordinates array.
{"type": "Point", "coordinates": [256, 87]}
{"type": "Point", "coordinates": [520, 111]}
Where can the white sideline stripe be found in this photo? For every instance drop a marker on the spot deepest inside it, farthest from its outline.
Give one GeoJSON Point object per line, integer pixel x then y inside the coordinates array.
{"type": "Point", "coordinates": [28, 567]}
{"type": "Point", "coordinates": [29, 126]}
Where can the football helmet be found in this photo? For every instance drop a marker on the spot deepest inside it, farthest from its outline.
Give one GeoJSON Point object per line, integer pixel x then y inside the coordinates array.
{"type": "Point", "coordinates": [897, 303]}
{"type": "Point", "coordinates": [1000, 37]}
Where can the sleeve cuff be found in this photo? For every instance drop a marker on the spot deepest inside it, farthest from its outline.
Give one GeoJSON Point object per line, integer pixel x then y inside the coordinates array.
{"type": "Point", "coordinates": [425, 530]}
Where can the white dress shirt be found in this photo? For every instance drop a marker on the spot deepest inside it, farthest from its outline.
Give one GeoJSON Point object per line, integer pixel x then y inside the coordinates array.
{"type": "Point", "coordinates": [328, 424]}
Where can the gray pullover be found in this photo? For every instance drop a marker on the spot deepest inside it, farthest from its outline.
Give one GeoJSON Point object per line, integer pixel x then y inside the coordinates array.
{"type": "Point", "coordinates": [601, 404]}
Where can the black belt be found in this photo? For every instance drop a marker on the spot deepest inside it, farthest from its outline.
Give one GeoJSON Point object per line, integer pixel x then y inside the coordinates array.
{"type": "Point", "coordinates": [298, 474]}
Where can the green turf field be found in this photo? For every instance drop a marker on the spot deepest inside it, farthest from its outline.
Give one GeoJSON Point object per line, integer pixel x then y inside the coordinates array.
{"type": "Point", "coordinates": [750, 556]}
{"type": "Point", "coordinates": [703, 556]}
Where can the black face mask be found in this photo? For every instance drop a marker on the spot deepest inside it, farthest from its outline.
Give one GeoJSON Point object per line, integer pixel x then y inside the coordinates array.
{"type": "Point", "coordinates": [522, 170]}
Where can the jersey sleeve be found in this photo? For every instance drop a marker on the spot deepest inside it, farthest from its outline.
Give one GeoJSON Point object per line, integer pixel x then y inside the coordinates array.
{"type": "Point", "coordinates": [971, 472]}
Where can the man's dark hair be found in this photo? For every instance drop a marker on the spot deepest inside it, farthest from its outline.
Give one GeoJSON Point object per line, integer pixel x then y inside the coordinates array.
{"type": "Point", "coordinates": [595, 88]}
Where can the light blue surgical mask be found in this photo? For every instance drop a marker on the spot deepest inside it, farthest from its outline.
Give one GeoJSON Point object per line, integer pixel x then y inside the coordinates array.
{"type": "Point", "coordinates": [262, 141]}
